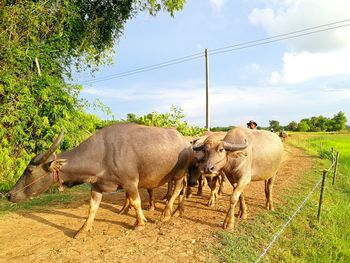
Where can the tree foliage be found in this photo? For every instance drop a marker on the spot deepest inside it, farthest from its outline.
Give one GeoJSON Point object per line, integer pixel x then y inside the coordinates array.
{"type": "Point", "coordinates": [275, 125]}
{"type": "Point", "coordinates": [54, 37]}
{"type": "Point", "coordinates": [320, 123]}
{"type": "Point", "coordinates": [172, 119]}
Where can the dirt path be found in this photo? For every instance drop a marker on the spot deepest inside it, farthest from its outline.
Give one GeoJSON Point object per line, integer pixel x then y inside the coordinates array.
{"type": "Point", "coordinates": [46, 236]}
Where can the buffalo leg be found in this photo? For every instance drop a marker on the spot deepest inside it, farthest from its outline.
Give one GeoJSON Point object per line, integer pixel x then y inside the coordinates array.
{"type": "Point", "coordinates": [135, 202]}
{"type": "Point", "coordinates": [169, 191]}
{"type": "Point", "coordinates": [230, 216]}
{"type": "Point", "coordinates": [126, 205]}
{"type": "Point", "coordinates": [242, 213]}
{"type": "Point", "coordinates": [95, 200]}
{"type": "Point", "coordinates": [169, 206]}
{"type": "Point", "coordinates": [181, 207]}
{"type": "Point", "coordinates": [151, 200]}
{"type": "Point", "coordinates": [200, 186]}
{"type": "Point", "coordinates": [268, 193]}
{"type": "Point", "coordinates": [213, 192]}
{"type": "Point", "coordinates": [222, 184]}
{"type": "Point", "coordinates": [188, 191]}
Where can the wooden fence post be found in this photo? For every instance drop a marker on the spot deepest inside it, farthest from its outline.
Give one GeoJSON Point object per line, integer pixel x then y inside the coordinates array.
{"type": "Point", "coordinates": [321, 195]}
{"type": "Point", "coordinates": [335, 168]}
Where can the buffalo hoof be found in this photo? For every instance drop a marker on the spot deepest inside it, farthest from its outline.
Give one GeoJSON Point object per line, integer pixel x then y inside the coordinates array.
{"type": "Point", "coordinates": [211, 203]}
{"type": "Point", "coordinates": [151, 208]}
{"type": "Point", "coordinates": [81, 234]}
{"type": "Point", "coordinates": [228, 223]}
{"type": "Point", "coordinates": [228, 226]}
{"type": "Point", "coordinates": [270, 208]}
{"type": "Point", "coordinates": [178, 212]}
{"type": "Point", "coordinates": [124, 211]}
{"type": "Point", "coordinates": [139, 227]}
{"type": "Point", "coordinates": [189, 196]}
{"type": "Point", "coordinates": [243, 215]}
{"type": "Point", "coordinates": [165, 218]}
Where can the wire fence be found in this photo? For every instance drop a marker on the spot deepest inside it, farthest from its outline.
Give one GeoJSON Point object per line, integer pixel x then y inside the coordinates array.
{"type": "Point", "coordinates": [334, 165]}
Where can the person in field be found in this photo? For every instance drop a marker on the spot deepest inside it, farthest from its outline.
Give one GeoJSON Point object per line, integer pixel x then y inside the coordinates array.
{"type": "Point", "coordinates": [252, 125]}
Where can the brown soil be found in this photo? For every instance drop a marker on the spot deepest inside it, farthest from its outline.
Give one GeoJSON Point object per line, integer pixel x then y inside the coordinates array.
{"type": "Point", "coordinates": [47, 235]}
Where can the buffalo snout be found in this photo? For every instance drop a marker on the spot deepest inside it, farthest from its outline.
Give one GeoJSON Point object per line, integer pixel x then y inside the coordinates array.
{"type": "Point", "coordinates": [209, 168]}
{"type": "Point", "coordinates": [16, 197]}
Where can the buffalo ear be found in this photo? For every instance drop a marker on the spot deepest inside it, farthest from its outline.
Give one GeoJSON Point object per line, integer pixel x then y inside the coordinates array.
{"type": "Point", "coordinates": [56, 165]}
{"type": "Point", "coordinates": [238, 154]}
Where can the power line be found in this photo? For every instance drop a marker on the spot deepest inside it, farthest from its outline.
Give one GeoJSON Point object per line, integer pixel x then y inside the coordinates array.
{"type": "Point", "coordinates": [243, 45]}
{"type": "Point", "coordinates": [280, 35]}
{"type": "Point", "coordinates": [274, 40]}
{"type": "Point", "coordinates": [148, 68]}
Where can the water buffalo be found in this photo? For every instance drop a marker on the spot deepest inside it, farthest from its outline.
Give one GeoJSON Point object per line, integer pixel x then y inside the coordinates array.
{"type": "Point", "coordinates": [211, 179]}
{"type": "Point", "coordinates": [283, 135]}
{"type": "Point", "coordinates": [126, 155]}
{"type": "Point", "coordinates": [244, 155]}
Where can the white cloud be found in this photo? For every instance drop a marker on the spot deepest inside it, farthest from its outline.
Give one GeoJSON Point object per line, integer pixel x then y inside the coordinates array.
{"type": "Point", "coordinates": [280, 17]}
{"type": "Point", "coordinates": [318, 55]}
{"type": "Point", "coordinates": [218, 4]}
{"type": "Point", "coordinates": [305, 66]}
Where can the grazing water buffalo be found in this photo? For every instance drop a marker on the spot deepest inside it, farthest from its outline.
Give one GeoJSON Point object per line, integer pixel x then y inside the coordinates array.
{"type": "Point", "coordinates": [211, 179]}
{"type": "Point", "coordinates": [126, 155]}
{"type": "Point", "coordinates": [244, 155]}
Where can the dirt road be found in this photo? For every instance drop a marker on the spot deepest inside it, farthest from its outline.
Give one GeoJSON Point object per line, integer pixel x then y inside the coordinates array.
{"type": "Point", "coordinates": [47, 235]}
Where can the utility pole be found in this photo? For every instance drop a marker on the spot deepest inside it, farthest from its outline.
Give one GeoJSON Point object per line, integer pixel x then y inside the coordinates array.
{"type": "Point", "coordinates": [207, 117]}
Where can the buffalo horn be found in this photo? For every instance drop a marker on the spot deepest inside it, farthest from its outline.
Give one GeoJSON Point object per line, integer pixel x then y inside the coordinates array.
{"type": "Point", "coordinates": [44, 156]}
{"type": "Point", "coordinates": [235, 147]}
{"type": "Point", "coordinates": [198, 145]}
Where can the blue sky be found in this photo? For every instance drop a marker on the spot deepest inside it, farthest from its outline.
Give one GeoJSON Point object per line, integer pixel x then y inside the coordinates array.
{"type": "Point", "coordinates": [284, 81]}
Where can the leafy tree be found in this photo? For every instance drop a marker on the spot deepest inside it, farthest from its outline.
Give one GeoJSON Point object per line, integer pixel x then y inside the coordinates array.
{"type": "Point", "coordinates": [292, 126]}
{"type": "Point", "coordinates": [338, 122]}
{"type": "Point", "coordinates": [275, 125]}
{"type": "Point", "coordinates": [41, 42]}
{"type": "Point", "coordinates": [303, 126]}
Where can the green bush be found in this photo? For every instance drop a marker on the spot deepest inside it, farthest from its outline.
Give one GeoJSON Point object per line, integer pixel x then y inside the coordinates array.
{"type": "Point", "coordinates": [172, 119]}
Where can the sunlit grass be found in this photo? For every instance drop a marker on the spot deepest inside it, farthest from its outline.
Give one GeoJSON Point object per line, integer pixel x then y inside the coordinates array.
{"type": "Point", "coordinates": [51, 198]}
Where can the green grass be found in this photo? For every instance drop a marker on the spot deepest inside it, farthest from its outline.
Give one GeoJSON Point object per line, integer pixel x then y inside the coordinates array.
{"type": "Point", "coordinates": [305, 239]}
{"type": "Point", "coordinates": [51, 198]}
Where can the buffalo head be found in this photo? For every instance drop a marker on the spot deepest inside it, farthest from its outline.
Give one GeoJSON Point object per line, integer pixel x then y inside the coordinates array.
{"type": "Point", "coordinates": [38, 175]}
{"type": "Point", "coordinates": [215, 152]}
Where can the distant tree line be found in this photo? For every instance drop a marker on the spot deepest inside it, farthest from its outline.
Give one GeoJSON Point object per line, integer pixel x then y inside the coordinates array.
{"type": "Point", "coordinates": [313, 124]}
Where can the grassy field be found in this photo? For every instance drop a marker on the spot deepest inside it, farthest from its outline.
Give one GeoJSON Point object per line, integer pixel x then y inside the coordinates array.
{"type": "Point", "coordinates": [305, 239]}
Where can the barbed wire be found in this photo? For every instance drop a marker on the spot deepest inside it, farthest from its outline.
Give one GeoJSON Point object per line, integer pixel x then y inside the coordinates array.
{"type": "Point", "coordinates": [287, 223]}
{"type": "Point", "coordinates": [273, 240]}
